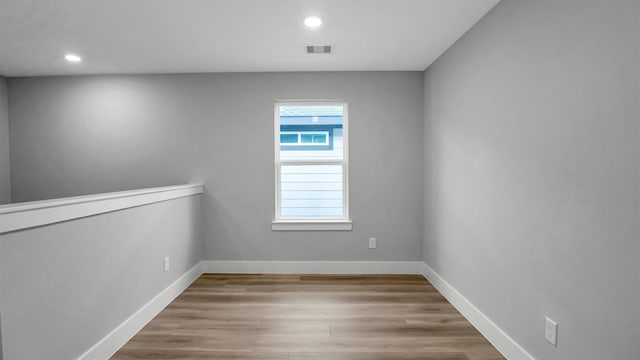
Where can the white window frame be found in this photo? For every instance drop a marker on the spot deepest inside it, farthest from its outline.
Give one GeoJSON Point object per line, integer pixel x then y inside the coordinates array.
{"type": "Point", "coordinates": [340, 224]}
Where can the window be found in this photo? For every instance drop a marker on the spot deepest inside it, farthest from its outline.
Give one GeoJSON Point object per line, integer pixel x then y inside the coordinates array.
{"type": "Point", "coordinates": [311, 166]}
{"type": "Point", "coordinates": [304, 138]}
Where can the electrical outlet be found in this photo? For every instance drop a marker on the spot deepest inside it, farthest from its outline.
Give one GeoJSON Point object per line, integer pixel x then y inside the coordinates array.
{"type": "Point", "coordinates": [167, 265]}
{"type": "Point", "coordinates": [372, 243]}
{"type": "Point", "coordinates": [551, 331]}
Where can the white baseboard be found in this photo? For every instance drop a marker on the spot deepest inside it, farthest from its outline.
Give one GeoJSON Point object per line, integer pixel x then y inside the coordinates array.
{"type": "Point", "coordinates": [111, 343]}
{"type": "Point", "coordinates": [312, 267]}
{"type": "Point", "coordinates": [496, 336]}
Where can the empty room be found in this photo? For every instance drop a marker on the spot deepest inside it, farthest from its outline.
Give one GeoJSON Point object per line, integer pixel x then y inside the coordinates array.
{"type": "Point", "coordinates": [320, 179]}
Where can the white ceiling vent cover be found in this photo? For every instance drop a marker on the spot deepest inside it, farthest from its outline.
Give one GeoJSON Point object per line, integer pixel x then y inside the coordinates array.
{"type": "Point", "coordinates": [319, 49]}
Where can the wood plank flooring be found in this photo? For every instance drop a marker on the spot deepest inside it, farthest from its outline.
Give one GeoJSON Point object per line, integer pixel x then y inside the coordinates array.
{"type": "Point", "coordinates": [309, 317]}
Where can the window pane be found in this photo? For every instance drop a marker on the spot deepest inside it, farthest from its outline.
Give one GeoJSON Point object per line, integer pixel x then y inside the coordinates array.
{"type": "Point", "coordinates": [320, 129]}
{"type": "Point", "coordinates": [313, 138]}
{"type": "Point", "coordinates": [288, 138]}
{"type": "Point", "coordinates": [319, 139]}
{"type": "Point", "coordinates": [311, 191]}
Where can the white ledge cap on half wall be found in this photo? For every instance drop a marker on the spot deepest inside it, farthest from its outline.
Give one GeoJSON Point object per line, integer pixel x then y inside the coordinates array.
{"type": "Point", "coordinates": [19, 216]}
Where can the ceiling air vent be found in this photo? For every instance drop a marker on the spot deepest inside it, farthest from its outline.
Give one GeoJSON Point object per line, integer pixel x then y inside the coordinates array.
{"type": "Point", "coordinates": [318, 49]}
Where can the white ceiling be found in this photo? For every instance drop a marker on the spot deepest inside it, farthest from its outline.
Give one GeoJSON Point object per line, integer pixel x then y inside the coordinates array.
{"type": "Point", "coordinates": [187, 36]}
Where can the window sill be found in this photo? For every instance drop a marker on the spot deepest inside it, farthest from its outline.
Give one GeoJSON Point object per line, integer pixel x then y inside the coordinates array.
{"type": "Point", "coordinates": [311, 225]}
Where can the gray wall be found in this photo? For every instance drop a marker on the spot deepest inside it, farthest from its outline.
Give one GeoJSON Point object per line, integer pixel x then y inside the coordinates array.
{"type": "Point", "coordinates": [5, 170]}
{"type": "Point", "coordinates": [532, 201]}
{"type": "Point", "coordinates": [63, 287]}
{"type": "Point", "coordinates": [80, 135]}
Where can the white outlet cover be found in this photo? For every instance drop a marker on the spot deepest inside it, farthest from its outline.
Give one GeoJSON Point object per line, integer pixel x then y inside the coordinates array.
{"type": "Point", "coordinates": [166, 264]}
{"type": "Point", "coordinates": [551, 331]}
{"type": "Point", "coordinates": [372, 243]}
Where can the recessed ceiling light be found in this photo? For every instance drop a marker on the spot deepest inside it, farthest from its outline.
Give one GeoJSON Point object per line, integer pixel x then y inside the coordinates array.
{"type": "Point", "coordinates": [73, 58]}
{"type": "Point", "coordinates": [312, 22]}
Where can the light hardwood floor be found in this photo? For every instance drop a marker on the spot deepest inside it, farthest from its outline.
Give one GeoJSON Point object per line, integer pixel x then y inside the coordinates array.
{"type": "Point", "coordinates": [309, 317]}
